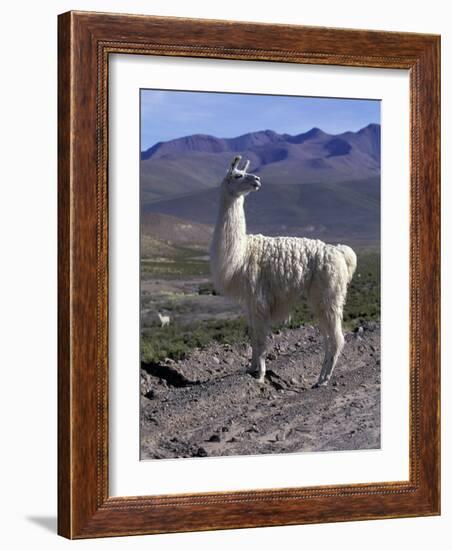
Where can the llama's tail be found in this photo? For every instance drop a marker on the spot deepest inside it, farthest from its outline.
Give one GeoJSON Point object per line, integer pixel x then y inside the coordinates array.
{"type": "Point", "coordinates": [350, 259]}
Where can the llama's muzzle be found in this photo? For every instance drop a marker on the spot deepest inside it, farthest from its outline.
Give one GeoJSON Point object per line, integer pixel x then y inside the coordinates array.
{"type": "Point", "coordinates": [257, 183]}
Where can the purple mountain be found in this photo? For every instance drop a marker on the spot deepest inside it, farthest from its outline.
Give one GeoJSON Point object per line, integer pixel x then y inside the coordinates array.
{"type": "Point", "coordinates": [197, 162]}
{"type": "Point", "coordinates": [329, 183]}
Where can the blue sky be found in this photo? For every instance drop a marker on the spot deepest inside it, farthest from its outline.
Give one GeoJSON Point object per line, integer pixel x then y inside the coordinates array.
{"type": "Point", "coordinates": [168, 115]}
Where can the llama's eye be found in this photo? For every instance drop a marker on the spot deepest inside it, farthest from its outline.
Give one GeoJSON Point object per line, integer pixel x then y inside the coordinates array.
{"type": "Point", "coordinates": [237, 176]}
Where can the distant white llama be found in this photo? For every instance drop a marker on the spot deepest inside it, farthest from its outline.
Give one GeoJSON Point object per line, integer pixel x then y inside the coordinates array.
{"type": "Point", "coordinates": [164, 319]}
{"type": "Point", "coordinates": [268, 275]}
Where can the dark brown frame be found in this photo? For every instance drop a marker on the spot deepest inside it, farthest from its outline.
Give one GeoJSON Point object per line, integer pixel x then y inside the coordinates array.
{"type": "Point", "coordinates": [84, 44]}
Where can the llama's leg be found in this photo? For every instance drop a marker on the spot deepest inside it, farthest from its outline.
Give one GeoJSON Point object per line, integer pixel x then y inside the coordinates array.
{"type": "Point", "coordinates": [314, 297]}
{"type": "Point", "coordinates": [334, 342]}
{"type": "Point", "coordinates": [259, 331]}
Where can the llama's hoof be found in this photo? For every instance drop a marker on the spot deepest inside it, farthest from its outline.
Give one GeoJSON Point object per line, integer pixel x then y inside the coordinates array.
{"type": "Point", "coordinates": [260, 378]}
{"type": "Point", "coordinates": [320, 384]}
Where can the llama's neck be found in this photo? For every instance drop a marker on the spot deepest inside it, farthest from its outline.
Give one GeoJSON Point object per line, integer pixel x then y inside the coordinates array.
{"type": "Point", "coordinates": [229, 242]}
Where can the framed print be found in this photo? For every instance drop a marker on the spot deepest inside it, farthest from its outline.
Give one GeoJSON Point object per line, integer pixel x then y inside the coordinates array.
{"type": "Point", "coordinates": [248, 275]}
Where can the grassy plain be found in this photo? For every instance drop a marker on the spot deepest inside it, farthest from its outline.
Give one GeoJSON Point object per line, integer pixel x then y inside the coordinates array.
{"type": "Point", "coordinates": [175, 279]}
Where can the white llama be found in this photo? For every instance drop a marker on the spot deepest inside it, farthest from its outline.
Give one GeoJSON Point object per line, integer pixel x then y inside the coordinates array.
{"type": "Point", "coordinates": [164, 319]}
{"type": "Point", "coordinates": [267, 275]}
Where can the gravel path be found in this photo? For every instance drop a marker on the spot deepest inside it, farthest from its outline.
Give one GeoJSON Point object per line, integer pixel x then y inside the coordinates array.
{"type": "Point", "coordinates": [207, 404]}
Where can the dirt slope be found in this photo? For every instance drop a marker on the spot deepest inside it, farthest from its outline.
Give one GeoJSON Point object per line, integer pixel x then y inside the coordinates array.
{"type": "Point", "coordinates": [207, 405]}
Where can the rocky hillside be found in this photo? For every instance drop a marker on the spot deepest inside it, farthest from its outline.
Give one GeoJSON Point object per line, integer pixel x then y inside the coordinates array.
{"type": "Point", "coordinates": [207, 404]}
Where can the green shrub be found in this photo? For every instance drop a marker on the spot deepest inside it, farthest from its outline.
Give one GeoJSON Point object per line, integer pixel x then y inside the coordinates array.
{"type": "Point", "coordinates": [176, 341]}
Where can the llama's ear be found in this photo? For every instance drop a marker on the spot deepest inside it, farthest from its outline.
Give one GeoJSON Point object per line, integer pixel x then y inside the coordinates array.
{"type": "Point", "coordinates": [247, 164]}
{"type": "Point", "coordinates": [235, 163]}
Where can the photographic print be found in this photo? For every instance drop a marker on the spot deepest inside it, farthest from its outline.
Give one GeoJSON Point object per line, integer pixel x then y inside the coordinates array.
{"type": "Point", "coordinates": [260, 274]}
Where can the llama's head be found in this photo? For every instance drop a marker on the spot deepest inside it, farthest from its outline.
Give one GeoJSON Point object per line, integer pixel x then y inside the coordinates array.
{"type": "Point", "coordinates": [238, 182]}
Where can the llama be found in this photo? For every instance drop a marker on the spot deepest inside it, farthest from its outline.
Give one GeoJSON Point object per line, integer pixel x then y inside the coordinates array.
{"type": "Point", "coordinates": [268, 275]}
{"type": "Point", "coordinates": [164, 319]}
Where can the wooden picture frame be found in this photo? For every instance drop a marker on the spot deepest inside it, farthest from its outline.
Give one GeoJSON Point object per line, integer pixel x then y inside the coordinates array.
{"type": "Point", "coordinates": [85, 42]}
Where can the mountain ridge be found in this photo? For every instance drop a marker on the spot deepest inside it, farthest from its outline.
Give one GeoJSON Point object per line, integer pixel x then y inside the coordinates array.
{"type": "Point", "coordinates": [195, 142]}
{"type": "Point", "coordinates": [199, 161]}
{"type": "Point", "coordinates": [317, 183]}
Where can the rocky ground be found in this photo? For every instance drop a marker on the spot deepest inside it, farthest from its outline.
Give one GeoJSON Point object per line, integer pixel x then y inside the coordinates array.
{"type": "Point", "coordinates": [207, 404]}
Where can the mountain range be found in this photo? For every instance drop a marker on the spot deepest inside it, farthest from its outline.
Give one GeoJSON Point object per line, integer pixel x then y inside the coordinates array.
{"type": "Point", "coordinates": [313, 183]}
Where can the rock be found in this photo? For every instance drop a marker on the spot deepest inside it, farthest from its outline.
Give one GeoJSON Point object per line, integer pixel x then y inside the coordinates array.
{"type": "Point", "coordinates": [215, 360]}
{"type": "Point", "coordinates": [144, 385]}
{"type": "Point", "coordinates": [271, 356]}
{"type": "Point", "coordinates": [214, 438]}
{"type": "Point", "coordinates": [248, 350]}
{"type": "Point", "coordinates": [201, 452]}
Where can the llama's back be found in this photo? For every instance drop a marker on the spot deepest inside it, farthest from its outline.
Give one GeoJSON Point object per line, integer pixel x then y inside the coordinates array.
{"type": "Point", "coordinates": [296, 258]}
